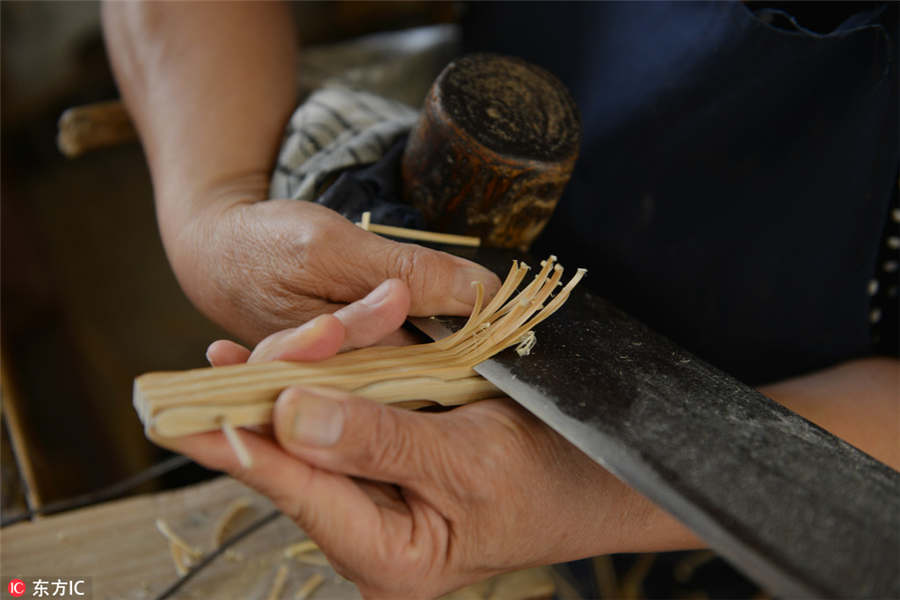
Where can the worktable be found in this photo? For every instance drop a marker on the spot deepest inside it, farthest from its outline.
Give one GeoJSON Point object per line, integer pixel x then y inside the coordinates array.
{"type": "Point", "coordinates": [118, 547]}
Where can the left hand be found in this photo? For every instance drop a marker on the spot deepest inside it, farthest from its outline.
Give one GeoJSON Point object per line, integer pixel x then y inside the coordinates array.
{"type": "Point", "coordinates": [413, 505]}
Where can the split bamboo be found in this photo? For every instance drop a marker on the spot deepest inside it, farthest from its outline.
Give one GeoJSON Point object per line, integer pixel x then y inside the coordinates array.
{"type": "Point", "coordinates": [180, 403]}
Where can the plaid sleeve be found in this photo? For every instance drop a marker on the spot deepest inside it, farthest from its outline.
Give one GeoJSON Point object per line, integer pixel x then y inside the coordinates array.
{"type": "Point", "coordinates": [336, 128]}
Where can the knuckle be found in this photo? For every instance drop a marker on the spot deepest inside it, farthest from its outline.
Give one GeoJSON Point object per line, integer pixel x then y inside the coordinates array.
{"type": "Point", "coordinates": [411, 263]}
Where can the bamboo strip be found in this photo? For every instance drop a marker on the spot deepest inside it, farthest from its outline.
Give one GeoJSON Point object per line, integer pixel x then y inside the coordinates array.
{"type": "Point", "coordinates": [185, 420]}
{"type": "Point", "coordinates": [417, 234]}
{"type": "Point", "coordinates": [180, 403]}
{"type": "Point", "coordinates": [240, 450]}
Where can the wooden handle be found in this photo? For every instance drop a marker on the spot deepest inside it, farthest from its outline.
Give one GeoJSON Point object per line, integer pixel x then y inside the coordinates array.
{"type": "Point", "coordinates": [92, 126]}
{"type": "Point", "coordinates": [492, 150]}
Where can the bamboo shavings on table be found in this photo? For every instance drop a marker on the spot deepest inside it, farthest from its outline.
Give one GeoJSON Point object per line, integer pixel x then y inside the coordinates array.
{"type": "Point", "coordinates": [181, 403]}
{"type": "Point", "coordinates": [309, 586]}
{"type": "Point", "coordinates": [236, 507]}
{"type": "Point", "coordinates": [299, 548]}
{"type": "Point", "coordinates": [183, 554]}
{"type": "Point", "coordinates": [306, 551]}
{"type": "Point", "coordinates": [313, 558]}
{"type": "Point", "coordinates": [278, 584]}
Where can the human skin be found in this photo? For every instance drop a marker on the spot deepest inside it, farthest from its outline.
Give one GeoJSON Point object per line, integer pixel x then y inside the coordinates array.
{"type": "Point", "coordinates": [412, 505]}
{"type": "Point", "coordinates": [404, 504]}
{"type": "Point", "coordinates": [190, 74]}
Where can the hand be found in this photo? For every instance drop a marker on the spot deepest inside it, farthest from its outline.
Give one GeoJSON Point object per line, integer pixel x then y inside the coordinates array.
{"type": "Point", "coordinates": [260, 267]}
{"type": "Point", "coordinates": [210, 87]}
{"type": "Point", "coordinates": [412, 505]}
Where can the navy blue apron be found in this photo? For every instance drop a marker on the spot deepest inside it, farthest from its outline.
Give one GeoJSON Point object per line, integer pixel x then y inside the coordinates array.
{"type": "Point", "coordinates": [734, 178]}
{"type": "Point", "coordinates": [732, 189]}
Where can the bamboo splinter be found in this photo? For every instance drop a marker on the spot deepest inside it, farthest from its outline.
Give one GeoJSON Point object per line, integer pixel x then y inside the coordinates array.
{"type": "Point", "coordinates": [180, 403]}
{"type": "Point", "coordinates": [417, 234]}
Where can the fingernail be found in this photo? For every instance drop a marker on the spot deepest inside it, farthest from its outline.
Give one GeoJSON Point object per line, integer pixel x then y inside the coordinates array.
{"type": "Point", "coordinates": [376, 296]}
{"type": "Point", "coordinates": [318, 419]}
{"type": "Point", "coordinates": [465, 292]}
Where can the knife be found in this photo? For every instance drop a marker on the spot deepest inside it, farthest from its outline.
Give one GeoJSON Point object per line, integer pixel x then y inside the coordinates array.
{"type": "Point", "coordinates": [793, 507]}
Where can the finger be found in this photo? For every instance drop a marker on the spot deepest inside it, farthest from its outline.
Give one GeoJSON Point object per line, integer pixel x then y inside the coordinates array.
{"type": "Point", "coordinates": [379, 314]}
{"type": "Point", "coordinates": [356, 325]}
{"type": "Point", "coordinates": [314, 340]}
{"type": "Point", "coordinates": [222, 353]}
{"type": "Point", "coordinates": [439, 283]}
{"type": "Point", "coordinates": [342, 433]}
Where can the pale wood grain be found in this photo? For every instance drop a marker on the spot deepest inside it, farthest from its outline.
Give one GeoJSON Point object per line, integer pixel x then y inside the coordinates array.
{"type": "Point", "coordinates": [179, 403]}
{"type": "Point", "coordinates": [118, 546]}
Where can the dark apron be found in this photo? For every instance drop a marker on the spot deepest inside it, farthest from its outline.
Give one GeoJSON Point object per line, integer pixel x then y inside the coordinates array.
{"type": "Point", "coordinates": [734, 178]}
{"type": "Point", "coordinates": [732, 191]}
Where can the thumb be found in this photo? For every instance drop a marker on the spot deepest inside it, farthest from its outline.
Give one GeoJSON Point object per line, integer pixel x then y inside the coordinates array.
{"type": "Point", "coordinates": [439, 283]}
{"type": "Point", "coordinates": [342, 433]}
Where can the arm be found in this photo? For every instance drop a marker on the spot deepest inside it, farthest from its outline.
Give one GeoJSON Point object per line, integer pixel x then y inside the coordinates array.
{"type": "Point", "coordinates": [857, 401]}
{"type": "Point", "coordinates": [192, 75]}
{"type": "Point", "coordinates": [210, 87]}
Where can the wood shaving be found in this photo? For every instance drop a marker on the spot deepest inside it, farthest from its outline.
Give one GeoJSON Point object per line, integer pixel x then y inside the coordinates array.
{"type": "Point", "coordinates": [299, 548]}
{"type": "Point", "coordinates": [278, 584]}
{"type": "Point", "coordinates": [309, 587]}
{"type": "Point", "coordinates": [526, 344]}
{"type": "Point", "coordinates": [191, 552]}
{"type": "Point", "coordinates": [231, 511]}
{"type": "Point", "coordinates": [315, 558]}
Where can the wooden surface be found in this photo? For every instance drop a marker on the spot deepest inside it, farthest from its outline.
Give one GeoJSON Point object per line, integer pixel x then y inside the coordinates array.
{"type": "Point", "coordinates": [118, 546]}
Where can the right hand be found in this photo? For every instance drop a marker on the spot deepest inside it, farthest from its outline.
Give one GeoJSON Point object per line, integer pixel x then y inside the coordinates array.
{"type": "Point", "coordinates": [260, 267]}
{"type": "Point", "coordinates": [413, 505]}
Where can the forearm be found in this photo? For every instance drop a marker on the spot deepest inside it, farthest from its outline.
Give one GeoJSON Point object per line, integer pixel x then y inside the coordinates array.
{"type": "Point", "coordinates": [210, 87]}
{"type": "Point", "coordinates": [857, 401]}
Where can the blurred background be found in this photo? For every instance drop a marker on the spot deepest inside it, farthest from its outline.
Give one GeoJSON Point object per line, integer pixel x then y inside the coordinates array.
{"type": "Point", "coordinates": [88, 299]}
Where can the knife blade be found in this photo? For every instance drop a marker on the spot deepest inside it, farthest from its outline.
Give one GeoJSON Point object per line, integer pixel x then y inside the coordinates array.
{"type": "Point", "coordinates": [792, 506]}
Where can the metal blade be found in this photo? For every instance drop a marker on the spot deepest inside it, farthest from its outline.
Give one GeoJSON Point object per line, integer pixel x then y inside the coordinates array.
{"type": "Point", "coordinates": [792, 506]}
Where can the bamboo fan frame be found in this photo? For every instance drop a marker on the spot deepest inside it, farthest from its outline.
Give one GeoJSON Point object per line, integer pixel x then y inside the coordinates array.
{"type": "Point", "coordinates": [178, 403]}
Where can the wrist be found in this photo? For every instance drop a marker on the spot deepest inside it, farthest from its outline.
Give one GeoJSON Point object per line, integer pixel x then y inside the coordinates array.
{"type": "Point", "coordinates": [615, 518]}
{"type": "Point", "coordinates": [180, 203]}
{"type": "Point", "coordinates": [197, 228]}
